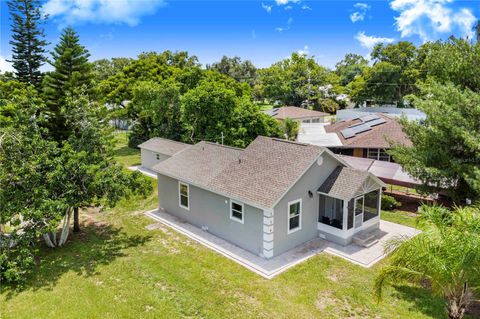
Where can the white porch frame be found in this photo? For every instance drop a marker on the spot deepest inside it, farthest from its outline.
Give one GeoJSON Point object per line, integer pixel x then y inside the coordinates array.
{"type": "Point", "coordinates": [344, 232]}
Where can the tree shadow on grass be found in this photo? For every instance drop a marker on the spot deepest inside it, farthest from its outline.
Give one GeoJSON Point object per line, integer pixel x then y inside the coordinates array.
{"type": "Point", "coordinates": [95, 245]}
{"type": "Point", "coordinates": [126, 151]}
{"type": "Point", "coordinates": [423, 300]}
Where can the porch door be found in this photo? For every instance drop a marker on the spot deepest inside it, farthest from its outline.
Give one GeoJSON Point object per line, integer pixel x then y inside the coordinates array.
{"type": "Point", "coordinates": [358, 212]}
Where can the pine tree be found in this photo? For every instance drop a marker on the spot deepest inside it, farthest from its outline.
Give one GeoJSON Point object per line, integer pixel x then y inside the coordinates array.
{"type": "Point", "coordinates": [72, 76]}
{"type": "Point", "coordinates": [28, 44]}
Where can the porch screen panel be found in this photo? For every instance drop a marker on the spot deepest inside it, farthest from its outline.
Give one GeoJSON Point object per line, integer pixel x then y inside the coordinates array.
{"type": "Point", "coordinates": [331, 211]}
{"type": "Point", "coordinates": [371, 205]}
{"type": "Point", "coordinates": [350, 216]}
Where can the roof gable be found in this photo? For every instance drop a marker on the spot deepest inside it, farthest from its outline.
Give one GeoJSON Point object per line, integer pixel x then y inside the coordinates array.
{"type": "Point", "coordinates": [163, 146]}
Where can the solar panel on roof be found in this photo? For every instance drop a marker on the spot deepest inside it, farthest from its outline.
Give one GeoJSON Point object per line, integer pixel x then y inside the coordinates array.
{"type": "Point", "coordinates": [368, 118]}
{"type": "Point", "coordinates": [347, 133]}
{"type": "Point", "coordinates": [376, 122]}
{"type": "Point", "coordinates": [361, 128]}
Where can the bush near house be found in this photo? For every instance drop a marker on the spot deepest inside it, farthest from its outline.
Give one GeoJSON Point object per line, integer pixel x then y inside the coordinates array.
{"type": "Point", "coordinates": [389, 203]}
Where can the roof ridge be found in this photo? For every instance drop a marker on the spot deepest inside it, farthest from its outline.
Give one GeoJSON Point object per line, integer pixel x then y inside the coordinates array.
{"type": "Point", "coordinates": [169, 140]}
{"type": "Point", "coordinates": [222, 145]}
{"type": "Point", "coordinates": [291, 142]}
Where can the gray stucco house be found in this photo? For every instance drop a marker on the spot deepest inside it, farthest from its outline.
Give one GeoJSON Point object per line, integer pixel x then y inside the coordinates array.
{"type": "Point", "coordinates": [269, 197]}
{"type": "Point", "coordinates": [158, 149]}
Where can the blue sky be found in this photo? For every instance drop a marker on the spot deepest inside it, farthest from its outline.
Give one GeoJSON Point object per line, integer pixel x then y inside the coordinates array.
{"type": "Point", "coordinates": [262, 31]}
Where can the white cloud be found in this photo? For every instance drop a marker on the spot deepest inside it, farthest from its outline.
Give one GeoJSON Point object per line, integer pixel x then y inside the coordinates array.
{"type": "Point", "coordinates": [288, 8]}
{"type": "Point", "coordinates": [289, 24]}
{"type": "Point", "coordinates": [361, 12]}
{"type": "Point", "coordinates": [267, 7]}
{"type": "Point", "coordinates": [305, 7]}
{"type": "Point", "coordinates": [304, 51]}
{"type": "Point", "coordinates": [429, 18]}
{"type": "Point", "coordinates": [5, 66]}
{"type": "Point", "coordinates": [284, 2]}
{"type": "Point", "coordinates": [100, 11]}
{"type": "Point", "coordinates": [369, 41]}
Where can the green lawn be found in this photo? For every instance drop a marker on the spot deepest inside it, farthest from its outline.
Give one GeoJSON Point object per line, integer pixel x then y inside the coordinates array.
{"type": "Point", "coordinates": [115, 268]}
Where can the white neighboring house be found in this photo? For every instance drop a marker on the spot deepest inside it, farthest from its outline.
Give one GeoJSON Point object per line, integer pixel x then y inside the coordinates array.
{"type": "Point", "coordinates": [157, 149]}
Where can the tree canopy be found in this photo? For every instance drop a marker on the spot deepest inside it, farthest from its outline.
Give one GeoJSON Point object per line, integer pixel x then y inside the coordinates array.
{"type": "Point", "coordinates": [445, 152]}
{"type": "Point", "coordinates": [28, 40]}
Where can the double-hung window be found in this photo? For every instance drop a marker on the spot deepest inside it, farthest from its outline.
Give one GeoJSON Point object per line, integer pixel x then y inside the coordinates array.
{"type": "Point", "coordinates": [184, 195]}
{"type": "Point", "coordinates": [157, 156]}
{"type": "Point", "coordinates": [294, 215]}
{"type": "Point", "coordinates": [236, 211]}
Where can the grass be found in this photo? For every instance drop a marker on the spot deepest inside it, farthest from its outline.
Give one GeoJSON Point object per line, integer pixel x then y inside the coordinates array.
{"type": "Point", "coordinates": [400, 217]}
{"type": "Point", "coordinates": [115, 268]}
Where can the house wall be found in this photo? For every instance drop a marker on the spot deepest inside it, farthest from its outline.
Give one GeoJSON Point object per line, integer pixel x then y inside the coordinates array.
{"type": "Point", "coordinates": [358, 152]}
{"type": "Point", "coordinates": [311, 180]}
{"type": "Point", "coordinates": [208, 209]}
{"type": "Point", "coordinates": [149, 158]}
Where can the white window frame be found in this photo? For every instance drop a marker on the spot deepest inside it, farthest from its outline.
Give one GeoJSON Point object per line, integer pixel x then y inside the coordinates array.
{"type": "Point", "coordinates": [231, 211]}
{"type": "Point", "coordinates": [180, 195]}
{"type": "Point", "coordinates": [378, 152]}
{"type": "Point", "coordinates": [289, 231]}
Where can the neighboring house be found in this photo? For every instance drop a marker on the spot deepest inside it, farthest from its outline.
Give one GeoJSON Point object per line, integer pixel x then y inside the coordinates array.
{"type": "Point", "coordinates": [367, 136]}
{"type": "Point", "coordinates": [409, 113]}
{"type": "Point", "coordinates": [158, 149]}
{"type": "Point", "coordinates": [298, 114]}
{"type": "Point", "coordinates": [271, 196]}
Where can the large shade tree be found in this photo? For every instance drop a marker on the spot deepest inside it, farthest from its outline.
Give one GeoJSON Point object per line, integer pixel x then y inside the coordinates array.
{"type": "Point", "coordinates": [445, 256]}
{"type": "Point", "coordinates": [221, 110]}
{"type": "Point", "coordinates": [295, 81]}
{"type": "Point", "coordinates": [446, 147]}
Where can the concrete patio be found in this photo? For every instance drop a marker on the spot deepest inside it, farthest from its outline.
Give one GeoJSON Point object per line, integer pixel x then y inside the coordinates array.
{"type": "Point", "coordinates": [269, 268]}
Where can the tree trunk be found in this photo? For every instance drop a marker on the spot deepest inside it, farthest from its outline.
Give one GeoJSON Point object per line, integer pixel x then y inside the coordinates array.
{"type": "Point", "coordinates": [457, 305]}
{"type": "Point", "coordinates": [76, 222]}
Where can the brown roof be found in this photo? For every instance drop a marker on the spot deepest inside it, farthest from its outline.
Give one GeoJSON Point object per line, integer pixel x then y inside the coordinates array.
{"type": "Point", "coordinates": [344, 182]}
{"type": "Point", "coordinates": [259, 175]}
{"type": "Point", "coordinates": [294, 112]}
{"type": "Point", "coordinates": [163, 146]}
{"type": "Point", "coordinates": [378, 137]}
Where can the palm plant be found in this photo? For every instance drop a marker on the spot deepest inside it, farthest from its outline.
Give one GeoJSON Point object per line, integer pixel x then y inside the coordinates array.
{"type": "Point", "coordinates": [446, 256]}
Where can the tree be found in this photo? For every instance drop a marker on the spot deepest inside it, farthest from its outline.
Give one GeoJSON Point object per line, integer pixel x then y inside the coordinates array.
{"type": "Point", "coordinates": [445, 147]}
{"type": "Point", "coordinates": [393, 75]}
{"type": "Point", "coordinates": [19, 102]}
{"type": "Point", "coordinates": [29, 205]}
{"type": "Point", "coordinates": [155, 111]}
{"type": "Point", "coordinates": [155, 67]}
{"type": "Point", "coordinates": [295, 81]}
{"type": "Point", "coordinates": [241, 71]}
{"type": "Point", "coordinates": [291, 128]}
{"type": "Point", "coordinates": [351, 66]}
{"type": "Point", "coordinates": [454, 60]}
{"type": "Point", "coordinates": [89, 175]}
{"type": "Point", "coordinates": [105, 68]}
{"type": "Point", "coordinates": [28, 43]}
{"type": "Point", "coordinates": [445, 255]}
{"type": "Point", "coordinates": [221, 110]}
{"type": "Point", "coordinates": [72, 74]}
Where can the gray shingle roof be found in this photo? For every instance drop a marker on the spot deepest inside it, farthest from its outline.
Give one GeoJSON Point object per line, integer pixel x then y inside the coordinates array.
{"type": "Point", "coordinates": [258, 175]}
{"type": "Point", "coordinates": [163, 146]}
{"type": "Point", "coordinates": [344, 182]}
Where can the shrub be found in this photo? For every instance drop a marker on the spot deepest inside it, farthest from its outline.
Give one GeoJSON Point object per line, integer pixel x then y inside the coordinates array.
{"type": "Point", "coordinates": [389, 203]}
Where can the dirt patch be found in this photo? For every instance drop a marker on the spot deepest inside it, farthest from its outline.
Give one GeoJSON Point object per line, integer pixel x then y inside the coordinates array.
{"type": "Point", "coordinates": [474, 309]}
{"type": "Point", "coordinates": [326, 299]}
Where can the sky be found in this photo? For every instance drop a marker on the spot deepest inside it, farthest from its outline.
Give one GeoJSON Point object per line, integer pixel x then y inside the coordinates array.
{"type": "Point", "coordinates": [261, 31]}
